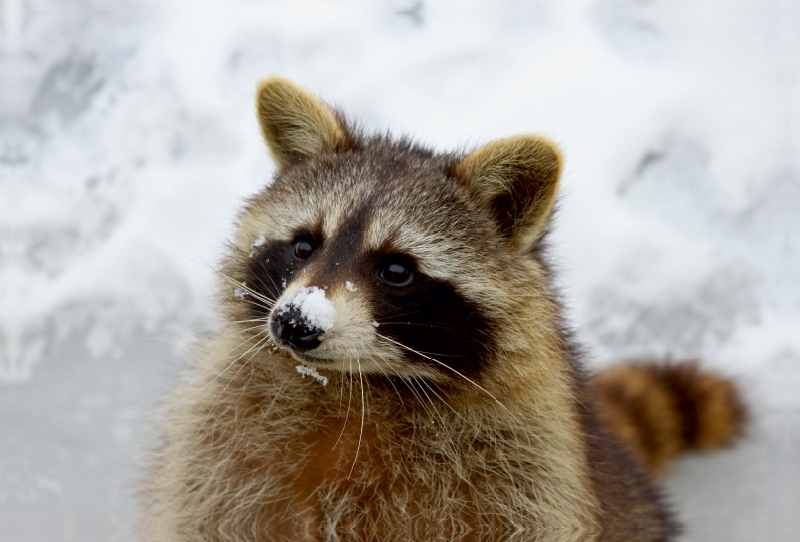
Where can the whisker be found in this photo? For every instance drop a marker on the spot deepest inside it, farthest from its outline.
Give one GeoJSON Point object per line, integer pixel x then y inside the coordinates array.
{"type": "Point", "coordinates": [211, 410]}
{"type": "Point", "coordinates": [198, 259]}
{"type": "Point", "coordinates": [423, 381]}
{"type": "Point", "coordinates": [230, 279]}
{"type": "Point", "coordinates": [381, 358]}
{"type": "Point", "coordinates": [265, 339]}
{"type": "Point", "coordinates": [446, 367]}
{"type": "Point", "coordinates": [209, 344]}
{"type": "Point", "coordinates": [341, 394]}
{"type": "Point", "coordinates": [435, 326]}
{"type": "Point", "coordinates": [243, 331]}
{"type": "Point", "coordinates": [277, 290]}
{"type": "Point", "coordinates": [237, 332]}
{"type": "Point", "coordinates": [433, 406]}
{"type": "Point", "coordinates": [413, 390]}
{"type": "Point", "coordinates": [187, 330]}
{"type": "Point", "coordinates": [246, 288]}
{"type": "Point", "coordinates": [349, 400]}
{"type": "Point", "coordinates": [446, 430]}
{"type": "Point", "coordinates": [210, 365]}
{"type": "Point", "coordinates": [360, 433]}
{"type": "Point", "coordinates": [257, 303]}
{"type": "Point", "coordinates": [164, 336]}
{"type": "Point", "coordinates": [275, 398]}
{"type": "Point", "coordinates": [408, 384]}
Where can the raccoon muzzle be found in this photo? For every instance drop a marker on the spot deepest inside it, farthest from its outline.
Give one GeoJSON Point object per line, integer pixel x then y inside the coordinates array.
{"type": "Point", "coordinates": [290, 327]}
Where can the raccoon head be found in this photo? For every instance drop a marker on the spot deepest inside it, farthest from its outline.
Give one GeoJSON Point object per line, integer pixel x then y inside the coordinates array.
{"type": "Point", "coordinates": [372, 252]}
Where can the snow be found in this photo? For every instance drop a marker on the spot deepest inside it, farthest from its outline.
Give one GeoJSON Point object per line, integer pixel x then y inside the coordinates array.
{"type": "Point", "coordinates": [316, 309]}
{"type": "Point", "coordinates": [128, 140]}
{"type": "Point", "coordinates": [350, 286]}
{"type": "Point", "coordinates": [312, 372]}
{"type": "Point", "coordinates": [260, 240]}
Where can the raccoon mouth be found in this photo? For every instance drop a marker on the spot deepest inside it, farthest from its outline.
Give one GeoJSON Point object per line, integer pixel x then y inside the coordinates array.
{"type": "Point", "coordinates": [312, 357]}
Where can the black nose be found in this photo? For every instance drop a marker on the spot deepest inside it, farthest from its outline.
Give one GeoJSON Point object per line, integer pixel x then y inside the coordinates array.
{"type": "Point", "coordinates": [289, 326]}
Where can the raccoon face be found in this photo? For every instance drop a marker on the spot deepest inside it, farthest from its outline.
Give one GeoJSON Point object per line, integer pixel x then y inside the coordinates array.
{"type": "Point", "coordinates": [376, 255]}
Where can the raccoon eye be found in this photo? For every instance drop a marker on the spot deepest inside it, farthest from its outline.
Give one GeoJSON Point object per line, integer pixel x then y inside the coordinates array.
{"type": "Point", "coordinates": [302, 249]}
{"type": "Point", "coordinates": [396, 270]}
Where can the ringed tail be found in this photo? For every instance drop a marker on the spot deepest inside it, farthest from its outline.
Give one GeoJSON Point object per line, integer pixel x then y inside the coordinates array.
{"type": "Point", "coordinates": [659, 410]}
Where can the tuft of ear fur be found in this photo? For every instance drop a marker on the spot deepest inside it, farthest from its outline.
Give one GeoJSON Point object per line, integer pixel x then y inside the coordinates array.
{"type": "Point", "coordinates": [295, 123]}
{"type": "Point", "coordinates": [517, 179]}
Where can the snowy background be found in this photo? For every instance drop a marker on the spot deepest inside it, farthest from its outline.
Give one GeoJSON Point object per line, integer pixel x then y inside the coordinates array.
{"type": "Point", "coordinates": [127, 140]}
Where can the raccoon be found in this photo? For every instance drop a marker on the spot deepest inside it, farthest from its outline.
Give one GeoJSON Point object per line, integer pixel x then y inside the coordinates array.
{"type": "Point", "coordinates": [396, 365]}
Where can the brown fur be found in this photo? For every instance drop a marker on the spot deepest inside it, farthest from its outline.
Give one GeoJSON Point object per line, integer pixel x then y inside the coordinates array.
{"type": "Point", "coordinates": [294, 123]}
{"type": "Point", "coordinates": [399, 445]}
{"type": "Point", "coordinates": [494, 172]}
{"type": "Point", "coordinates": [661, 410]}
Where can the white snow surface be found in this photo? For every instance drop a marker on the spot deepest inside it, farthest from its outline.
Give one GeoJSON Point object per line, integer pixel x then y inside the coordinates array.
{"type": "Point", "coordinates": [350, 286]}
{"type": "Point", "coordinates": [128, 141]}
{"type": "Point", "coordinates": [316, 309]}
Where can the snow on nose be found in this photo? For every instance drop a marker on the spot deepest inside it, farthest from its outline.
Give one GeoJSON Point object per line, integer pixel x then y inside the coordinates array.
{"type": "Point", "coordinates": [303, 318]}
{"type": "Point", "coordinates": [316, 309]}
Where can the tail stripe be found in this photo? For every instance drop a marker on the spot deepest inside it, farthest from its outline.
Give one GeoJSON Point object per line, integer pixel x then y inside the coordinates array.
{"type": "Point", "coordinates": [661, 410]}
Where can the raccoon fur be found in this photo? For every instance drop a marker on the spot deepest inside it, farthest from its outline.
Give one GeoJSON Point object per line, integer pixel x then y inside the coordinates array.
{"type": "Point", "coordinates": [395, 364]}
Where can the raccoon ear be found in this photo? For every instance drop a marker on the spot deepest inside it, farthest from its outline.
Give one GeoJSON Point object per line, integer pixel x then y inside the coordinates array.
{"type": "Point", "coordinates": [517, 179]}
{"type": "Point", "coordinates": [295, 123]}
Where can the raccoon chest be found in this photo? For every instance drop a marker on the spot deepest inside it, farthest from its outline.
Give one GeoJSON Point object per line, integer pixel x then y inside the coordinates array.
{"type": "Point", "coordinates": [344, 480]}
{"type": "Point", "coordinates": [340, 452]}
